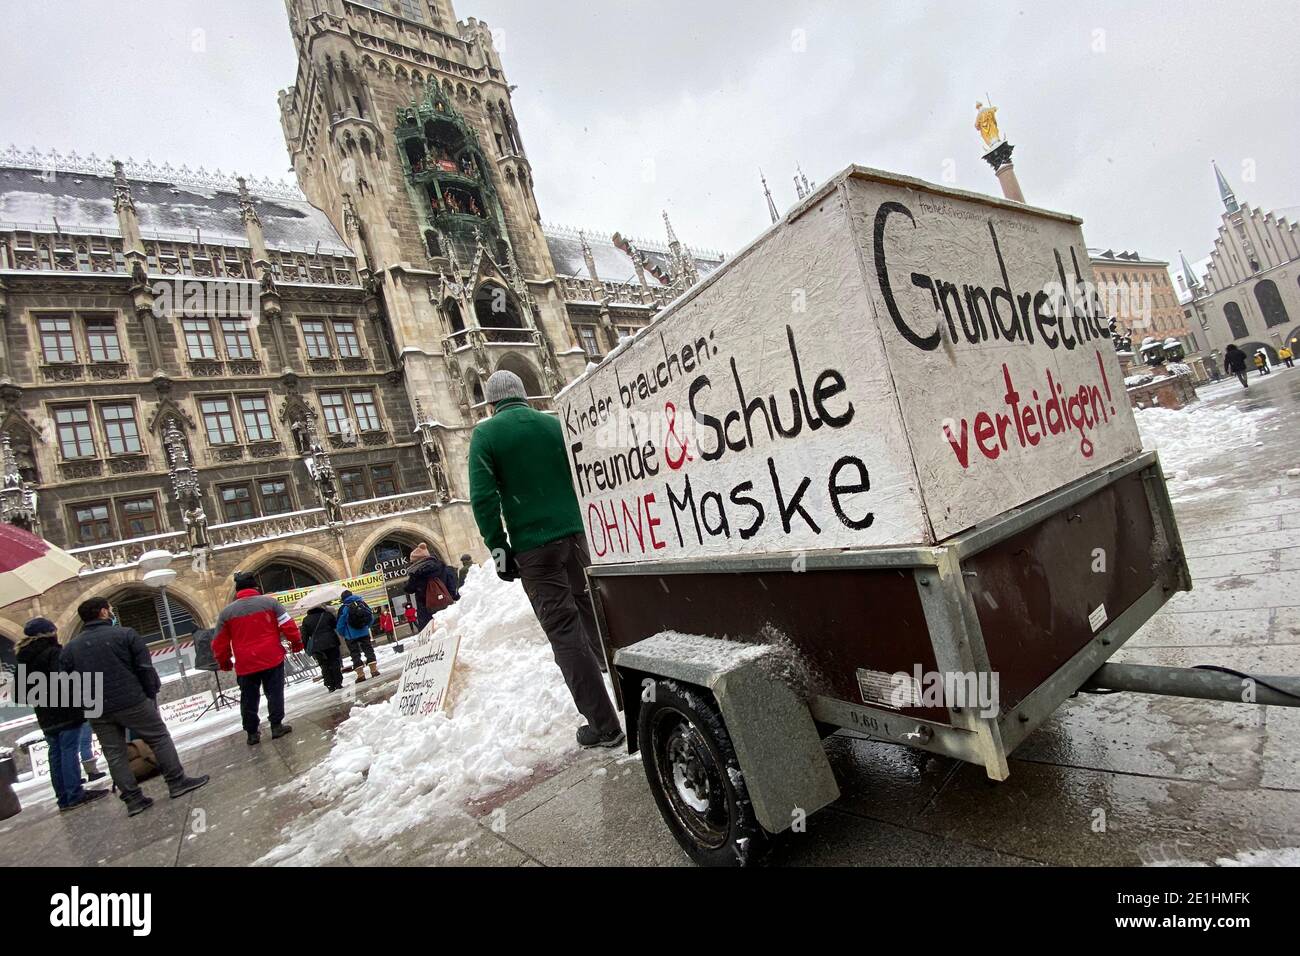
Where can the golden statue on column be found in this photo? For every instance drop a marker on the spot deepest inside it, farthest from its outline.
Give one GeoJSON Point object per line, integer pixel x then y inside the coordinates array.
{"type": "Point", "coordinates": [998, 155]}
{"type": "Point", "coordinates": [986, 121]}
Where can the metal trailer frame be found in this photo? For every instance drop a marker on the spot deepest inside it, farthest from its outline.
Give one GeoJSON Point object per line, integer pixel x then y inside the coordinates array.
{"type": "Point", "coordinates": [954, 628]}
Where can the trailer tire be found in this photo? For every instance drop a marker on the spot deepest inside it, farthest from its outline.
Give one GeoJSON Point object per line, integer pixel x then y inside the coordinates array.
{"type": "Point", "coordinates": [695, 778]}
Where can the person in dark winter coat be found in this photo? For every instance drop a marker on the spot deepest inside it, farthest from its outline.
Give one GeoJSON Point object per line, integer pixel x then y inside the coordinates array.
{"type": "Point", "coordinates": [39, 653]}
{"type": "Point", "coordinates": [322, 642]}
{"type": "Point", "coordinates": [119, 657]}
{"type": "Point", "coordinates": [466, 562]}
{"type": "Point", "coordinates": [357, 634]}
{"type": "Point", "coordinates": [254, 627]}
{"type": "Point", "coordinates": [524, 504]}
{"type": "Point", "coordinates": [423, 568]}
{"type": "Point", "coordinates": [1234, 361]}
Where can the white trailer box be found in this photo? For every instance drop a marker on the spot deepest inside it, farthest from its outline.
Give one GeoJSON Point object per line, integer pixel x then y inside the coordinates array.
{"type": "Point", "coordinates": [891, 364]}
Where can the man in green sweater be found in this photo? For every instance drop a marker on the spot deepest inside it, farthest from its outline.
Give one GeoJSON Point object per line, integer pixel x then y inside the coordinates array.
{"type": "Point", "coordinates": [518, 471]}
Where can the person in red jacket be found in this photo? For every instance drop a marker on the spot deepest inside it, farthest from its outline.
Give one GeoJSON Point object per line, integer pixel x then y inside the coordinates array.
{"type": "Point", "coordinates": [252, 626]}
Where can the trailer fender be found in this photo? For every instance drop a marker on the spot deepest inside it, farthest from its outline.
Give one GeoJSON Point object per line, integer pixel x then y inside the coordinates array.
{"type": "Point", "coordinates": [776, 741]}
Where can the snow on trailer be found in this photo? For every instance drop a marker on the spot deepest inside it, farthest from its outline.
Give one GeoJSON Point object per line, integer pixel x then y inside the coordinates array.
{"type": "Point", "coordinates": [890, 439]}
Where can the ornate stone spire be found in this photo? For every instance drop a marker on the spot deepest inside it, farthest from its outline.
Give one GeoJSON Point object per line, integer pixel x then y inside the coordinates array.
{"type": "Point", "coordinates": [121, 188]}
{"type": "Point", "coordinates": [247, 211]}
{"type": "Point", "coordinates": [587, 256]}
{"type": "Point", "coordinates": [17, 498]}
{"type": "Point", "coordinates": [771, 206]}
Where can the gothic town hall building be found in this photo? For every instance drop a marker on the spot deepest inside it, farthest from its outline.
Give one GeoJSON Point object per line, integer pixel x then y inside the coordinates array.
{"type": "Point", "coordinates": [284, 379]}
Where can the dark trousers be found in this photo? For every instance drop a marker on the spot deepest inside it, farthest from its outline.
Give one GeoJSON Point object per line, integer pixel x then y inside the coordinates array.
{"type": "Point", "coordinates": [65, 765]}
{"type": "Point", "coordinates": [331, 668]}
{"type": "Point", "coordinates": [270, 680]}
{"type": "Point", "coordinates": [146, 724]}
{"type": "Point", "coordinates": [358, 647]}
{"type": "Point", "coordinates": [554, 580]}
{"type": "Point", "coordinates": [1241, 377]}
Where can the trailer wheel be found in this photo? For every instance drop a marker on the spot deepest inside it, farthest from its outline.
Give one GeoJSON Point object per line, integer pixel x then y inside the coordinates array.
{"type": "Point", "coordinates": [693, 773]}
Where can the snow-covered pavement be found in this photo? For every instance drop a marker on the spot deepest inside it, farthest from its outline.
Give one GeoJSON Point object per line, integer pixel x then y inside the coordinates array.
{"type": "Point", "coordinates": [497, 780]}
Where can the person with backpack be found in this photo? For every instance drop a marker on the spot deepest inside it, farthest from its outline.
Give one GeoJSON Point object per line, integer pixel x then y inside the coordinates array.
{"type": "Point", "coordinates": [118, 656]}
{"type": "Point", "coordinates": [353, 625]}
{"type": "Point", "coordinates": [253, 628]}
{"type": "Point", "coordinates": [322, 642]}
{"type": "Point", "coordinates": [432, 583]}
{"type": "Point", "coordinates": [38, 652]}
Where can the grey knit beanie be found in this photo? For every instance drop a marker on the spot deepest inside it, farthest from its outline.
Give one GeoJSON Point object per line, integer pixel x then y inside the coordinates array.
{"type": "Point", "coordinates": [503, 384]}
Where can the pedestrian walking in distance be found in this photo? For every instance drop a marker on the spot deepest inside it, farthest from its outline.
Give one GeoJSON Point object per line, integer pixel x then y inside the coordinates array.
{"type": "Point", "coordinates": [431, 584]}
{"type": "Point", "coordinates": [322, 643]}
{"type": "Point", "coordinates": [38, 652]}
{"type": "Point", "coordinates": [386, 624]}
{"type": "Point", "coordinates": [1234, 361]}
{"type": "Point", "coordinates": [353, 625]}
{"type": "Point", "coordinates": [1285, 354]}
{"type": "Point", "coordinates": [412, 617]}
{"type": "Point", "coordinates": [519, 475]}
{"type": "Point", "coordinates": [466, 562]}
{"type": "Point", "coordinates": [1261, 363]}
{"type": "Point", "coordinates": [252, 629]}
{"type": "Point", "coordinates": [121, 658]}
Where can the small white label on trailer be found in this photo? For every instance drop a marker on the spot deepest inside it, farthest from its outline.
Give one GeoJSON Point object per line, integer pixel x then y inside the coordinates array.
{"type": "Point", "coordinates": [884, 689]}
{"type": "Point", "coordinates": [1097, 618]}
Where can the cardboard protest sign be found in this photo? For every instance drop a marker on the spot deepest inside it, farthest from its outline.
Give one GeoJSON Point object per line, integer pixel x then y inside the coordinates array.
{"type": "Point", "coordinates": [812, 393]}
{"type": "Point", "coordinates": [427, 673]}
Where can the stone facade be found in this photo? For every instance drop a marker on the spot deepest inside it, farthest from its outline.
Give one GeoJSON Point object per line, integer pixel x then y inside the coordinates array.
{"type": "Point", "coordinates": [160, 325]}
{"type": "Point", "coordinates": [1250, 293]}
{"type": "Point", "coordinates": [255, 380]}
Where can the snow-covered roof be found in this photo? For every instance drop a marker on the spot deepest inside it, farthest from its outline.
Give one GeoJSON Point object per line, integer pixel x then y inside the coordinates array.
{"type": "Point", "coordinates": [1097, 254]}
{"type": "Point", "coordinates": [174, 205]}
{"type": "Point", "coordinates": [612, 263]}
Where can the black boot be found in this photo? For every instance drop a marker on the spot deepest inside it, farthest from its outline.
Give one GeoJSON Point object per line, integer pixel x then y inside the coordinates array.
{"type": "Point", "coordinates": [138, 804]}
{"type": "Point", "coordinates": [280, 730]}
{"type": "Point", "coordinates": [589, 737]}
{"type": "Point", "coordinates": [88, 796]}
{"type": "Point", "coordinates": [254, 738]}
{"type": "Point", "coordinates": [186, 785]}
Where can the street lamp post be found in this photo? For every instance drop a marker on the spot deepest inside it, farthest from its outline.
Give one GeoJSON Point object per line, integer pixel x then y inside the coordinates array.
{"type": "Point", "coordinates": [158, 575]}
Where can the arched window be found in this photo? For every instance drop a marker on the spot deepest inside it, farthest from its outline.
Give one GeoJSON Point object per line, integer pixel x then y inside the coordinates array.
{"type": "Point", "coordinates": [495, 308]}
{"type": "Point", "coordinates": [1236, 324]}
{"type": "Point", "coordinates": [527, 374]}
{"type": "Point", "coordinates": [452, 311]}
{"type": "Point", "coordinates": [1270, 303]}
{"type": "Point", "coordinates": [280, 576]}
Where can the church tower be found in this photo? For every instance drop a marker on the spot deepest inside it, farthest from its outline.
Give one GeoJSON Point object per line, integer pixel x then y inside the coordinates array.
{"type": "Point", "coordinates": [401, 128]}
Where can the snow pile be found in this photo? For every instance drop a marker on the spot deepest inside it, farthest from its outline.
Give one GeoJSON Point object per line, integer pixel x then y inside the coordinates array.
{"type": "Point", "coordinates": [1191, 437]}
{"type": "Point", "coordinates": [509, 711]}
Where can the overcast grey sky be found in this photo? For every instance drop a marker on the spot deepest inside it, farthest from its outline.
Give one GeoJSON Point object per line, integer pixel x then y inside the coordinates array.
{"type": "Point", "coordinates": [626, 108]}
